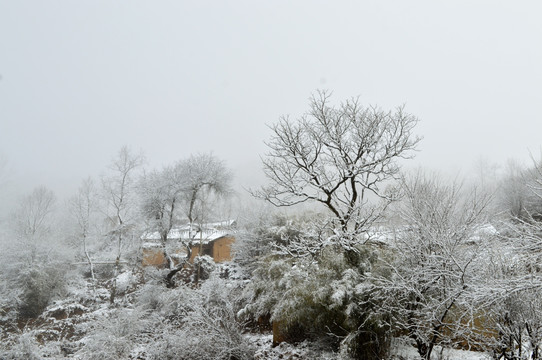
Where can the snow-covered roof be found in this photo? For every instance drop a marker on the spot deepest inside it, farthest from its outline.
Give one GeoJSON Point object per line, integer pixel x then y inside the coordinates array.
{"type": "Point", "coordinates": [225, 224]}
{"type": "Point", "coordinates": [208, 234]}
{"type": "Point", "coordinates": [150, 245]}
{"type": "Point", "coordinates": [220, 224]}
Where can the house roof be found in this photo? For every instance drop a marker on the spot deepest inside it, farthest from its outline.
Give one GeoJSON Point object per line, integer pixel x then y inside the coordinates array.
{"type": "Point", "coordinates": [208, 233]}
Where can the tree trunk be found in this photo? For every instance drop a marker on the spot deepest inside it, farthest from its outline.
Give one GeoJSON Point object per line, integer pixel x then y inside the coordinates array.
{"type": "Point", "coordinates": [170, 282]}
{"type": "Point", "coordinates": [114, 287]}
{"type": "Point", "coordinates": [424, 349]}
{"type": "Point", "coordinates": [87, 255]}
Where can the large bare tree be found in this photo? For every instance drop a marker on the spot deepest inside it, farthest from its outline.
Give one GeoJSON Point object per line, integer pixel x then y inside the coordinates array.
{"type": "Point", "coordinates": [339, 156]}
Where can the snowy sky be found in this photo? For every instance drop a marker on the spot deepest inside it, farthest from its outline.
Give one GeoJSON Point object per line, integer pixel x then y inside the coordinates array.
{"type": "Point", "coordinates": [79, 79]}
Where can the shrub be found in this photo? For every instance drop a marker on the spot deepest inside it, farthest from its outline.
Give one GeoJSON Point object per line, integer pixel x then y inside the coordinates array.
{"type": "Point", "coordinates": [40, 284]}
{"type": "Point", "coordinates": [209, 329]}
{"type": "Point", "coordinates": [203, 266]}
{"type": "Point", "coordinates": [115, 336]}
{"type": "Point", "coordinates": [25, 347]}
{"type": "Point", "coordinates": [318, 300]}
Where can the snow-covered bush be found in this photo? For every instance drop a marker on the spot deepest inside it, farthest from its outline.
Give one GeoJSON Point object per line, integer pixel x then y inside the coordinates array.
{"type": "Point", "coordinates": [516, 324]}
{"type": "Point", "coordinates": [9, 300]}
{"type": "Point", "coordinates": [114, 336]}
{"type": "Point", "coordinates": [26, 347]}
{"type": "Point", "coordinates": [258, 238]}
{"type": "Point", "coordinates": [266, 233]}
{"type": "Point", "coordinates": [170, 304]}
{"type": "Point", "coordinates": [125, 282]}
{"type": "Point", "coordinates": [203, 266]}
{"type": "Point", "coordinates": [317, 299]}
{"type": "Point", "coordinates": [209, 329]}
{"type": "Point", "coordinates": [40, 284]}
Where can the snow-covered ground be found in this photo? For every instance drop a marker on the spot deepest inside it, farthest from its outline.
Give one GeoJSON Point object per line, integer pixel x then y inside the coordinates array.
{"type": "Point", "coordinates": [401, 351]}
{"type": "Point", "coordinates": [306, 350]}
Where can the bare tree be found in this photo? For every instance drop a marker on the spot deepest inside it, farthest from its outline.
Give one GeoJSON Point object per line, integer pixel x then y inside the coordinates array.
{"type": "Point", "coordinates": [183, 190]}
{"type": "Point", "coordinates": [32, 220]}
{"type": "Point", "coordinates": [338, 156]}
{"type": "Point", "coordinates": [161, 193]}
{"type": "Point", "coordinates": [84, 206]}
{"type": "Point", "coordinates": [514, 286]}
{"type": "Point", "coordinates": [118, 188]}
{"type": "Point", "coordinates": [515, 321]}
{"type": "Point", "coordinates": [206, 176]}
{"type": "Point", "coordinates": [344, 158]}
{"type": "Point", "coordinates": [433, 255]}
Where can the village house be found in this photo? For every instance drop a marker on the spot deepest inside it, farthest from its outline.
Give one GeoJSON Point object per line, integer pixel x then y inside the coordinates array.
{"type": "Point", "coordinates": [212, 239]}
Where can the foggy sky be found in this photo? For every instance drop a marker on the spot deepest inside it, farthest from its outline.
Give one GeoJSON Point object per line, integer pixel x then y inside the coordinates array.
{"type": "Point", "coordinates": [79, 79]}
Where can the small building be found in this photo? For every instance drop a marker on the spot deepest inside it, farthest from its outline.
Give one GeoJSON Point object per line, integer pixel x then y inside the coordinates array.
{"type": "Point", "coordinates": [212, 239]}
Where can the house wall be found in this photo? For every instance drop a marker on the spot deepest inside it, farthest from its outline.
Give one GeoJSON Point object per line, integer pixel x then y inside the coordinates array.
{"type": "Point", "coordinates": [153, 256]}
{"type": "Point", "coordinates": [221, 249]}
{"type": "Point", "coordinates": [195, 251]}
{"type": "Point", "coordinates": [482, 327]}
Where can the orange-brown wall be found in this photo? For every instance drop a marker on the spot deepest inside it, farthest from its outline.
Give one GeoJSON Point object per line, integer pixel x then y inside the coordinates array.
{"type": "Point", "coordinates": [195, 252]}
{"type": "Point", "coordinates": [154, 256]}
{"type": "Point", "coordinates": [222, 249]}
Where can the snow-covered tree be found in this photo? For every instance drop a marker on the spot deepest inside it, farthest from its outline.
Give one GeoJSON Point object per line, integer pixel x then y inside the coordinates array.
{"type": "Point", "coordinates": [206, 175]}
{"type": "Point", "coordinates": [519, 192]}
{"type": "Point", "coordinates": [340, 157]}
{"type": "Point", "coordinates": [430, 270]}
{"type": "Point", "coordinates": [343, 158]}
{"type": "Point", "coordinates": [119, 195]}
{"type": "Point", "coordinates": [32, 222]}
{"type": "Point", "coordinates": [84, 206]}
{"type": "Point", "coordinates": [160, 194]}
{"type": "Point", "coordinates": [534, 184]}
{"type": "Point", "coordinates": [511, 294]}
{"type": "Point", "coordinates": [35, 272]}
{"type": "Point", "coordinates": [185, 190]}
